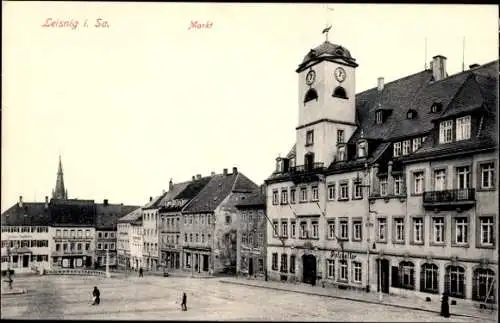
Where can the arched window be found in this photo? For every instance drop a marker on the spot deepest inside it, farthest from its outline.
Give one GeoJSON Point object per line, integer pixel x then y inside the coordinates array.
{"type": "Point", "coordinates": [454, 281]}
{"type": "Point", "coordinates": [339, 92]}
{"type": "Point", "coordinates": [429, 278]}
{"type": "Point", "coordinates": [411, 114]}
{"type": "Point", "coordinates": [311, 95]}
{"type": "Point", "coordinates": [407, 275]}
{"type": "Point", "coordinates": [483, 285]}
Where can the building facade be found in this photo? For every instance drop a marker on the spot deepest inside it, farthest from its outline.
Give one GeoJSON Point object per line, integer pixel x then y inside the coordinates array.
{"type": "Point", "coordinates": [252, 235]}
{"type": "Point", "coordinates": [124, 237]}
{"type": "Point", "coordinates": [391, 189]}
{"type": "Point", "coordinates": [136, 235]}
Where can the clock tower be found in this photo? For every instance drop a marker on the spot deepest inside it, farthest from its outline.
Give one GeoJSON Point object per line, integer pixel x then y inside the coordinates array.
{"type": "Point", "coordinates": [327, 108]}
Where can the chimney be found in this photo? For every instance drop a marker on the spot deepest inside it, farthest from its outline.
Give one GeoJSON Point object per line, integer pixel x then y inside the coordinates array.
{"type": "Point", "coordinates": [198, 176]}
{"type": "Point", "coordinates": [105, 202]}
{"type": "Point", "coordinates": [20, 201]}
{"type": "Point", "coordinates": [150, 199]}
{"type": "Point", "coordinates": [194, 178]}
{"type": "Point", "coordinates": [46, 201]}
{"type": "Point", "coordinates": [212, 174]}
{"type": "Point", "coordinates": [224, 171]}
{"type": "Point", "coordinates": [235, 170]}
{"type": "Point", "coordinates": [438, 67]}
{"type": "Point", "coordinates": [170, 185]}
{"type": "Point", "coordinates": [474, 65]}
{"type": "Point", "coordinates": [380, 83]}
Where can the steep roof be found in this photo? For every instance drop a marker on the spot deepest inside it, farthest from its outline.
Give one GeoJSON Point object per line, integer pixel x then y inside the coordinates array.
{"type": "Point", "coordinates": [254, 199]}
{"type": "Point", "coordinates": [184, 192]}
{"type": "Point", "coordinates": [217, 189]}
{"type": "Point", "coordinates": [107, 215]}
{"type": "Point", "coordinates": [30, 214]}
{"type": "Point", "coordinates": [132, 216]}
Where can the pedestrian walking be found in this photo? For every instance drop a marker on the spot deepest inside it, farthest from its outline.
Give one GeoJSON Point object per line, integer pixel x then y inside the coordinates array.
{"type": "Point", "coordinates": [141, 274]}
{"type": "Point", "coordinates": [96, 294]}
{"type": "Point", "coordinates": [445, 307]}
{"type": "Point", "coordinates": [184, 302]}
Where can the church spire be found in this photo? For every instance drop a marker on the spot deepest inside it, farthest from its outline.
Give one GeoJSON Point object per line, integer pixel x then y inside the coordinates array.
{"type": "Point", "coordinates": [60, 192]}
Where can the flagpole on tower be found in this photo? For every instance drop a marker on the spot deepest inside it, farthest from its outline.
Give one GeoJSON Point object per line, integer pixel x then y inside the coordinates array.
{"type": "Point", "coordinates": [328, 26]}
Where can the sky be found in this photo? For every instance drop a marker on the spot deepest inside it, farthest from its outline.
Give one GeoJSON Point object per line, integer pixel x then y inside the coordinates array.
{"type": "Point", "coordinates": [146, 99]}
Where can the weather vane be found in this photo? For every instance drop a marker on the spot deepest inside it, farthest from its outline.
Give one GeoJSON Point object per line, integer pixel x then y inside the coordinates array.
{"type": "Point", "coordinates": [328, 26]}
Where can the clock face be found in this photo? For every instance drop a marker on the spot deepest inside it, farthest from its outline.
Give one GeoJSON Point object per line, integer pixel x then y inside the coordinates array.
{"type": "Point", "coordinates": [340, 74]}
{"type": "Point", "coordinates": [310, 77]}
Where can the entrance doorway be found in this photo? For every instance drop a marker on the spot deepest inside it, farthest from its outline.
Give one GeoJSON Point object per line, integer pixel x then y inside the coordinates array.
{"type": "Point", "coordinates": [205, 262]}
{"type": "Point", "coordinates": [250, 266]}
{"type": "Point", "coordinates": [383, 274]}
{"type": "Point", "coordinates": [26, 261]}
{"type": "Point", "coordinates": [309, 269]}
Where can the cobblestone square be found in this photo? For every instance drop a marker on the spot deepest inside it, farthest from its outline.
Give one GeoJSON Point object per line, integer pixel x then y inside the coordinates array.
{"type": "Point", "coordinates": [151, 297]}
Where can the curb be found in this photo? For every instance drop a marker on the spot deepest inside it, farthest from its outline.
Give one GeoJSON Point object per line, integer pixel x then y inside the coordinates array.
{"type": "Point", "coordinates": [352, 299]}
{"type": "Point", "coordinates": [14, 292]}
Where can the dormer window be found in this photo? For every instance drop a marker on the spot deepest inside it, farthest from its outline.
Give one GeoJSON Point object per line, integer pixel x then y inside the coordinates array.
{"type": "Point", "coordinates": [340, 136]}
{"type": "Point", "coordinates": [436, 107]}
{"type": "Point", "coordinates": [279, 165]}
{"type": "Point", "coordinates": [340, 92]}
{"type": "Point", "coordinates": [411, 114]}
{"type": "Point", "coordinates": [397, 149]}
{"type": "Point", "coordinates": [446, 131]}
{"type": "Point", "coordinates": [362, 149]}
{"type": "Point", "coordinates": [379, 117]}
{"type": "Point", "coordinates": [341, 155]}
{"type": "Point", "coordinates": [310, 138]}
{"type": "Point", "coordinates": [292, 162]}
{"type": "Point", "coordinates": [311, 95]}
{"type": "Point", "coordinates": [463, 128]}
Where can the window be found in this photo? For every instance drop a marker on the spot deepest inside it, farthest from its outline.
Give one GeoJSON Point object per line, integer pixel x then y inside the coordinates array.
{"type": "Point", "coordinates": [311, 95]}
{"type": "Point", "coordinates": [275, 228]}
{"type": "Point", "coordinates": [343, 270]}
{"type": "Point", "coordinates": [341, 153]}
{"type": "Point", "coordinates": [487, 176]}
{"type": "Point", "coordinates": [344, 191]}
{"type": "Point", "coordinates": [292, 195]}
{"type": "Point", "coordinates": [303, 194]}
{"type": "Point", "coordinates": [362, 149]}
{"type": "Point", "coordinates": [331, 230]}
{"type": "Point", "coordinates": [87, 246]}
{"type": "Point", "coordinates": [418, 228]}
{"type": "Point", "coordinates": [446, 132]}
{"type": "Point", "coordinates": [406, 147]}
{"type": "Point", "coordinates": [454, 283]}
{"type": "Point", "coordinates": [461, 230]}
{"type": "Point", "coordinates": [398, 185]}
{"type": "Point", "coordinates": [436, 107]}
{"type": "Point", "coordinates": [228, 219]}
{"type": "Point", "coordinates": [356, 228]}
{"type": "Point", "coordinates": [340, 136]}
{"type": "Point", "coordinates": [463, 177]}
{"type": "Point", "coordinates": [400, 230]}
{"type": "Point", "coordinates": [58, 233]}
{"type": "Point", "coordinates": [292, 228]}
{"type": "Point", "coordinates": [378, 116]}
{"type": "Point", "coordinates": [315, 196]}
{"type": "Point", "coordinates": [284, 229]}
{"type": "Point", "coordinates": [275, 261]}
{"type": "Point", "coordinates": [99, 235]}
{"type": "Point", "coordinates": [65, 233]}
{"type": "Point", "coordinates": [79, 247]}
{"type": "Point", "coordinates": [440, 180]}
{"type": "Point", "coordinates": [344, 229]}
{"type": "Point", "coordinates": [310, 138]}
{"type": "Point", "coordinates": [357, 272]}
{"type": "Point", "coordinates": [331, 192]}
{"type": "Point", "coordinates": [292, 264]}
{"type": "Point", "coordinates": [315, 229]}
{"type": "Point", "coordinates": [275, 197]}
{"type": "Point", "coordinates": [410, 114]}
{"type": "Point", "coordinates": [418, 182]}
{"type": "Point", "coordinates": [284, 263]}
{"type": "Point", "coordinates": [383, 186]}
{"type": "Point", "coordinates": [381, 229]}
{"type": "Point", "coordinates": [397, 151]}
{"type": "Point", "coordinates": [99, 246]}
{"type": "Point", "coordinates": [417, 143]}
{"type": "Point", "coordinates": [463, 128]}
{"type": "Point", "coordinates": [190, 237]}
{"type": "Point", "coordinates": [407, 275]}
{"type": "Point", "coordinates": [429, 278]}
{"type": "Point", "coordinates": [284, 196]}
{"type": "Point", "coordinates": [483, 286]}
{"type": "Point", "coordinates": [330, 263]}
{"type": "Point", "coordinates": [438, 229]}
{"type": "Point", "coordinates": [487, 237]}
{"type": "Point", "coordinates": [185, 237]}
{"type": "Point", "coordinates": [58, 246]}
{"type": "Point", "coordinates": [358, 190]}
{"type": "Point", "coordinates": [303, 229]}
{"type": "Point", "coordinates": [339, 92]}
{"type": "Point", "coordinates": [105, 235]}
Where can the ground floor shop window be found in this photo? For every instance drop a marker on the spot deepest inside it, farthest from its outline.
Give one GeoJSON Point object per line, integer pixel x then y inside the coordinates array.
{"type": "Point", "coordinates": [454, 281]}
{"type": "Point", "coordinates": [284, 263]}
{"type": "Point", "coordinates": [483, 286]}
{"type": "Point", "coordinates": [429, 274]}
{"type": "Point", "coordinates": [261, 265]}
{"type": "Point", "coordinates": [275, 261]}
{"type": "Point", "coordinates": [357, 273]}
{"type": "Point", "coordinates": [292, 264]}
{"type": "Point", "coordinates": [404, 275]}
{"type": "Point", "coordinates": [330, 268]}
{"type": "Point", "coordinates": [344, 276]}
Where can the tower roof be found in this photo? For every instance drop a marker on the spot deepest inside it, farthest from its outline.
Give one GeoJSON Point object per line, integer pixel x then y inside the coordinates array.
{"type": "Point", "coordinates": [328, 50]}
{"type": "Point", "coordinates": [60, 191]}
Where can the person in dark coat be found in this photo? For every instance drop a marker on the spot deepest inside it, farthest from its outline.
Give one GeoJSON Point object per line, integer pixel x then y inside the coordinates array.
{"type": "Point", "coordinates": [97, 296]}
{"type": "Point", "coordinates": [184, 302]}
{"type": "Point", "coordinates": [141, 273]}
{"type": "Point", "coordinates": [445, 307]}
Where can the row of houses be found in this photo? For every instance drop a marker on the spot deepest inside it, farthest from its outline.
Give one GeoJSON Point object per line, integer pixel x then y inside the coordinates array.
{"type": "Point", "coordinates": [208, 225]}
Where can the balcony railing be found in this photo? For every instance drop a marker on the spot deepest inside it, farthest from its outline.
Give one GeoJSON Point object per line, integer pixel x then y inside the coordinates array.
{"type": "Point", "coordinates": [306, 168]}
{"type": "Point", "coordinates": [450, 197]}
